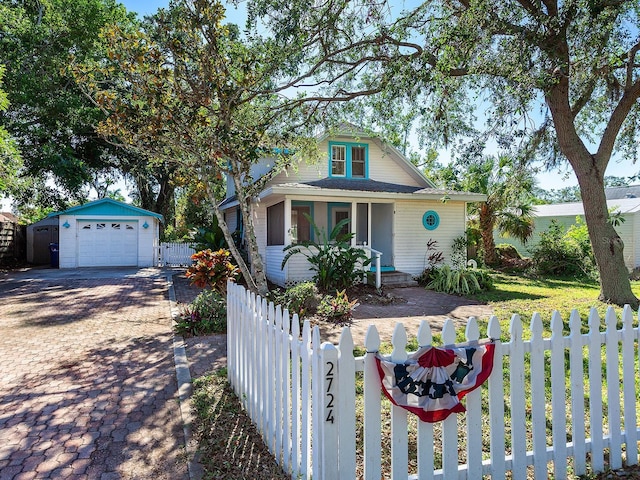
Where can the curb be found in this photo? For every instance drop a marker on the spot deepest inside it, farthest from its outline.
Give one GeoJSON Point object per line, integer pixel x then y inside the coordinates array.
{"type": "Point", "coordinates": [183, 377]}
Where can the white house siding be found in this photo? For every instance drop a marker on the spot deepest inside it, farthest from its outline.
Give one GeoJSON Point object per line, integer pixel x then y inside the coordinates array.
{"type": "Point", "coordinates": [274, 258]}
{"type": "Point", "coordinates": [230, 219]}
{"type": "Point", "coordinates": [298, 270]}
{"type": "Point", "coordinates": [383, 167]}
{"type": "Point", "coordinates": [410, 236]}
{"type": "Point", "coordinates": [625, 230]}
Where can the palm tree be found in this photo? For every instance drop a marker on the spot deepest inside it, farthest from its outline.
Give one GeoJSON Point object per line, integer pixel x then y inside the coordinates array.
{"type": "Point", "coordinates": [508, 207]}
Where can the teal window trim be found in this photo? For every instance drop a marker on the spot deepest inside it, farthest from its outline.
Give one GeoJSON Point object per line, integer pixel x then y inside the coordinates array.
{"type": "Point", "coordinates": [300, 203]}
{"type": "Point", "coordinates": [430, 220]}
{"type": "Point", "coordinates": [348, 167]}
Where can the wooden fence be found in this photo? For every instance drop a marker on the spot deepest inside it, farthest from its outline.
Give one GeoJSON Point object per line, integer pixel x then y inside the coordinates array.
{"type": "Point", "coordinates": [175, 254]}
{"type": "Point", "coordinates": [552, 406]}
{"type": "Point", "coordinates": [12, 243]}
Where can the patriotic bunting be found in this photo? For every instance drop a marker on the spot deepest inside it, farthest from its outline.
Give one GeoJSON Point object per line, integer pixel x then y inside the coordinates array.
{"type": "Point", "coordinates": [433, 380]}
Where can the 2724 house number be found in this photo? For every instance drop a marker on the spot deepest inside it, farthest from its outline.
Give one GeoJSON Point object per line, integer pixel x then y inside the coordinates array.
{"type": "Point", "coordinates": [329, 396]}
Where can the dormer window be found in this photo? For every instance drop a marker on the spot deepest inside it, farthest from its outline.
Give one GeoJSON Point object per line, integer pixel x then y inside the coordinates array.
{"type": "Point", "coordinates": [338, 161]}
{"type": "Point", "coordinates": [348, 160]}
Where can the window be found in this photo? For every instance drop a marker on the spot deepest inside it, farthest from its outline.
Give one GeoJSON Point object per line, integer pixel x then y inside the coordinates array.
{"type": "Point", "coordinates": [430, 220]}
{"type": "Point", "coordinates": [300, 225]}
{"type": "Point", "coordinates": [338, 160]}
{"type": "Point", "coordinates": [348, 160]}
{"type": "Point", "coordinates": [129, 227]}
{"type": "Point", "coordinates": [357, 162]}
{"type": "Point", "coordinates": [87, 227]}
{"type": "Point", "coordinates": [275, 224]}
{"type": "Point", "coordinates": [100, 226]}
{"type": "Point", "coordinates": [115, 226]}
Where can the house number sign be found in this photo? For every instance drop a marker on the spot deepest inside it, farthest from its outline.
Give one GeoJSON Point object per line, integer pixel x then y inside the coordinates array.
{"type": "Point", "coordinates": [328, 393]}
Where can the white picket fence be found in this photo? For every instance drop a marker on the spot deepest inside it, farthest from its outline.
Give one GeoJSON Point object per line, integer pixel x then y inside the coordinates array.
{"type": "Point", "coordinates": [302, 396]}
{"type": "Point", "coordinates": [175, 254]}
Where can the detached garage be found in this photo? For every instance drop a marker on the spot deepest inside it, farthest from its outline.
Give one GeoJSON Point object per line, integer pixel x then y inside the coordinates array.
{"type": "Point", "coordinates": [108, 233]}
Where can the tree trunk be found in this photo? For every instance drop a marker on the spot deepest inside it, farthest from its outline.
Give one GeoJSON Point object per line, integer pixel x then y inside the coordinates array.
{"type": "Point", "coordinates": [608, 248]}
{"type": "Point", "coordinates": [607, 245]}
{"type": "Point", "coordinates": [259, 276]}
{"type": "Point", "coordinates": [486, 231]}
{"type": "Point", "coordinates": [256, 280]}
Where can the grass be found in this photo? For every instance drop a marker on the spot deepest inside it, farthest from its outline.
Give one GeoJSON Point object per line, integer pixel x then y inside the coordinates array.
{"type": "Point", "coordinates": [230, 447]}
{"type": "Point", "coordinates": [514, 294]}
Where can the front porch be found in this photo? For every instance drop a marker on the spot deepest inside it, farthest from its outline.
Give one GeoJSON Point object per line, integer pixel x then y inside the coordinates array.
{"type": "Point", "coordinates": [287, 223]}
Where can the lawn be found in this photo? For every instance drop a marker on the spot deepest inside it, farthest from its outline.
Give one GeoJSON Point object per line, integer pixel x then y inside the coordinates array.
{"type": "Point", "coordinates": [515, 294]}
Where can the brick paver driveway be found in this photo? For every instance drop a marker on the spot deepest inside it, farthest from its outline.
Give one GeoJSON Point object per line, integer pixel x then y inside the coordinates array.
{"type": "Point", "coordinates": [87, 379]}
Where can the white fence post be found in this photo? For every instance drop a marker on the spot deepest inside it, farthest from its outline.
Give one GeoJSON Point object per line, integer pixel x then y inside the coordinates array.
{"type": "Point", "coordinates": [629, 337]}
{"type": "Point", "coordinates": [425, 429]}
{"type": "Point", "coordinates": [399, 441]}
{"type": "Point", "coordinates": [346, 406]}
{"type": "Point", "coordinates": [558, 398]}
{"type": "Point", "coordinates": [372, 408]}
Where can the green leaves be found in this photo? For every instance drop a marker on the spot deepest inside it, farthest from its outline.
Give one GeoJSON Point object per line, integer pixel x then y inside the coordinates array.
{"type": "Point", "coordinates": [337, 264]}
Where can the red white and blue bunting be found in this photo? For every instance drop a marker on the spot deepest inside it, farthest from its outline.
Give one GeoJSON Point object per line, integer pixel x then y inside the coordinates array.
{"type": "Point", "coordinates": [433, 380]}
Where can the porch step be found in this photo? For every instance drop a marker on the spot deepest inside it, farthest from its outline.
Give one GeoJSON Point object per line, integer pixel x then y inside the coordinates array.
{"type": "Point", "coordinates": [397, 279]}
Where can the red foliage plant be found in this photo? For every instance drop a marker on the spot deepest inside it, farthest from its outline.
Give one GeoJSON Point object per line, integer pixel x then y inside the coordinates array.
{"type": "Point", "coordinates": [212, 269]}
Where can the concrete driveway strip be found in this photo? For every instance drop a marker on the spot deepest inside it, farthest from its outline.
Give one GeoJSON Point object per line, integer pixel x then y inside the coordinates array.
{"type": "Point", "coordinates": [87, 379]}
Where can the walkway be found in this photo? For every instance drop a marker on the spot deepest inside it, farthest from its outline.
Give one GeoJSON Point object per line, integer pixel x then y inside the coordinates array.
{"type": "Point", "coordinates": [87, 378]}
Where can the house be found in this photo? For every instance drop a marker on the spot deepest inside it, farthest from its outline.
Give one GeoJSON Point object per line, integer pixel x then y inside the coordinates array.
{"type": "Point", "coordinates": [392, 207]}
{"type": "Point", "coordinates": [619, 199]}
{"type": "Point", "coordinates": [108, 233]}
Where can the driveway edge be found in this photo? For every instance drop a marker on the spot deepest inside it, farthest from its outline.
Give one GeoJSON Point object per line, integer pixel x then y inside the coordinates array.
{"type": "Point", "coordinates": [183, 377]}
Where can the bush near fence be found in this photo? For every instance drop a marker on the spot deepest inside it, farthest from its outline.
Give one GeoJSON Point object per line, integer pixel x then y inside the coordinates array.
{"type": "Point", "coordinates": [301, 393]}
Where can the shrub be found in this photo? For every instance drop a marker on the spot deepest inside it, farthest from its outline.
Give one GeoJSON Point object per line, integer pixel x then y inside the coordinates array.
{"type": "Point", "coordinates": [302, 299]}
{"type": "Point", "coordinates": [434, 257]}
{"type": "Point", "coordinates": [564, 253]}
{"type": "Point", "coordinates": [212, 269]}
{"type": "Point", "coordinates": [461, 281]}
{"type": "Point", "coordinates": [205, 315]}
{"type": "Point", "coordinates": [459, 252]}
{"type": "Point", "coordinates": [337, 264]}
{"type": "Point", "coordinates": [337, 309]}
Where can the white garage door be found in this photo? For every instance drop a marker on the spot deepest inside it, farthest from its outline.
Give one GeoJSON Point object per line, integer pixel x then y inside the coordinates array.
{"type": "Point", "coordinates": [105, 244]}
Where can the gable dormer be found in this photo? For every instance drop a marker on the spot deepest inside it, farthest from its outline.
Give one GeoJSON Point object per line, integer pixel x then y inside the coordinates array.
{"type": "Point", "coordinates": [348, 159]}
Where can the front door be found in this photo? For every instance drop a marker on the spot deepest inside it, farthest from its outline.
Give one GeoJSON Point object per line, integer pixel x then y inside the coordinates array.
{"type": "Point", "coordinates": [382, 231]}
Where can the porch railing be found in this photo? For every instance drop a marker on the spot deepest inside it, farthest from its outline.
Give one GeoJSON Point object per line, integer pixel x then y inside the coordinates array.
{"type": "Point", "coordinates": [377, 255]}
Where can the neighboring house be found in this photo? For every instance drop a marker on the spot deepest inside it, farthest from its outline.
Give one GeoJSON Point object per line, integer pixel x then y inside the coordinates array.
{"type": "Point", "coordinates": [393, 209]}
{"type": "Point", "coordinates": [108, 233]}
{"type": "Point", "coordinates": [619, 199]}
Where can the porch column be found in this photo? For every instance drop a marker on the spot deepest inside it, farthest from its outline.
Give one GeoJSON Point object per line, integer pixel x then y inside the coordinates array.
{"type": "Point", "coordinates": [287, 221]}
{"type": "Point", "coordinates": [354, 222]}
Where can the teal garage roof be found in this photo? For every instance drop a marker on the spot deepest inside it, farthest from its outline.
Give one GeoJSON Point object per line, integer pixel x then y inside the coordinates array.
{"type": "Point", "coordinates": [109, 207]}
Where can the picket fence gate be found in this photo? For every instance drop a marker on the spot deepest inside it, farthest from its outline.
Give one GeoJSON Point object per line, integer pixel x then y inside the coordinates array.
{"type": "Point", "coordinates": [174, 254]}
{"type": "Point", "coordinates": [302, 397]}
